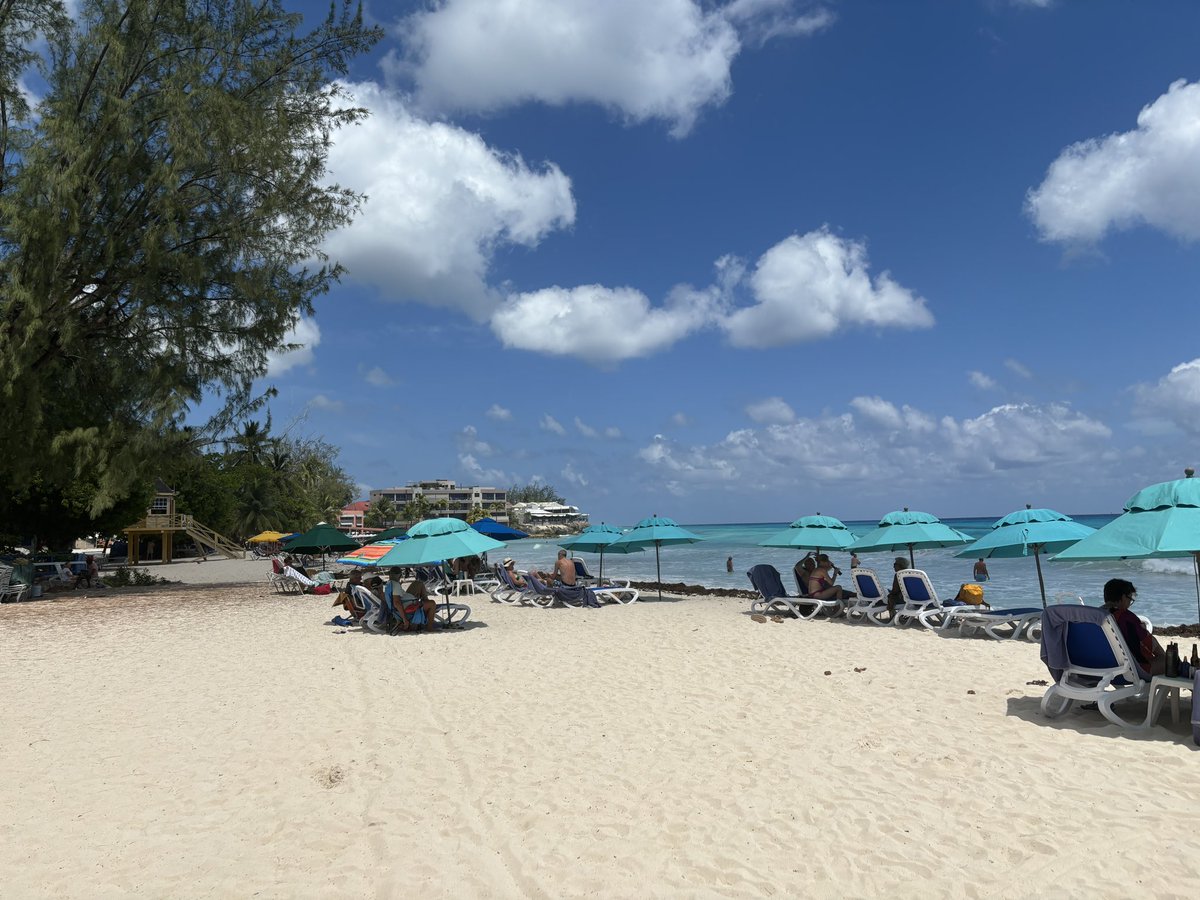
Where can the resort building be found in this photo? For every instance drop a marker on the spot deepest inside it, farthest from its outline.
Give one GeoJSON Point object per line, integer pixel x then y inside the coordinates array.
{"type": "Point", "coordinates": [458, 500]}
{"type": "Point", "coordinates": [351, 517]}
{"type": "Point", "coordinates": [556, 514]}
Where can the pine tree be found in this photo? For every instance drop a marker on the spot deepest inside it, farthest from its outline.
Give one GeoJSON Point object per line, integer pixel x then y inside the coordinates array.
{"type": "Point", "coordinates": [161, 221]}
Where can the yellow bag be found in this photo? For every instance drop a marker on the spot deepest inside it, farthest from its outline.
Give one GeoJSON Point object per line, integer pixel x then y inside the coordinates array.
{"type": "Point", "coordinates": [971, 594]}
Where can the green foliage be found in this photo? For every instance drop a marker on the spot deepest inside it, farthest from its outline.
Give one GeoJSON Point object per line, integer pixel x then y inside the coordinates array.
{"type": "Point", "coordinates": [127, 576]}
{"type": "Point", "coordinates": [416, 510]}
{"type": "Point", "coordinates": [380, 514]}
{"type": "Point", "coordinates": [157, 219]}
{"type": "Point", "coordinates": [56, 516]}
{"type": "Point", "coordinates": [537, 492]}
{"type": "Point", "coordinates": [476, 513]}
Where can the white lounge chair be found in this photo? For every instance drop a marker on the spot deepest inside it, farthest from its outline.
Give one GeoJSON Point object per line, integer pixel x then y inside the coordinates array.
{"type": "Point", "coordinates": [772, 598]}
{"type": "Point", "coordinates": [1099, 667]}
{"type": "Point", "coordinates": [921, 603]}
{"type": "Point", "coordinates": [1000, 624]}
{"type": "Point", "coordinates": [508, 591]}
{"type": "Point", "coordinates": [871, 603]}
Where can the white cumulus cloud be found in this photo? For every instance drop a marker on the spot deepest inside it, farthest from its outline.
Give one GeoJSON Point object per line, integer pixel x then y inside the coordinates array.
{"type": "Point", "coordinates": [663, 60]}
{"type": "Point", "coordinates": [440, 203]}
{"type": "Point", "coordinates": [1147, 176]}
{"type": "Point", "coordinates": [808, 286]}
{"type": "Point", "coordinates": [320, 401]}
{"type": "Point", "coordinates": [307, 334]}
{"type": "Point", "coordinates": [378, 377]}
{"type": "Point", "coordinates": [980, 380]}
{"type": "Point", "coordinates": [551, 424]}
{"type": "Point", "coordinates": [1175, 397]}
{"type": "Point", "coordinates": [1018, 367]}
{"type": "Point", "coordinates": [598, 324]}
{"type": "Point", "coordinates": [499, 413]}
{"type": "Point", "coordinates": [772, 409]}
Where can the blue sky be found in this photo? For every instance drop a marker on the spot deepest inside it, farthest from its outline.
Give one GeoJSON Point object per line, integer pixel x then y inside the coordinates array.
{"type": "Point", "coordinates": [754, 259]}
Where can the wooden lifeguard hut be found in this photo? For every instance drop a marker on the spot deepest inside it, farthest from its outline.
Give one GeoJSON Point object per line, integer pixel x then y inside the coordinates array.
{"type": "Point", "coordinates": [153, 538]}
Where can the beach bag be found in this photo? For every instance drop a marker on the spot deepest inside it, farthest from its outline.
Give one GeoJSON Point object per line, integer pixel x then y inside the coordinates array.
{"type": "Point", "coordinates": [322, 589]}
{"type": "Point", "coordinates": [971, 594]}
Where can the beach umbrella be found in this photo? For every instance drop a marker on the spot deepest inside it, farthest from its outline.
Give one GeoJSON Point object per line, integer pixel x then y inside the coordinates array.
{"type": "Point", "coordinates": [1039, 530]}
{"type": "Point", "coordinates": [812, 533]}
{"type": "Point", "coordinates": [321, 538]}
{"type": "Point", "coordinates": [370, 554]}
{"type": "Point", "coordinates": [435, 540]}
{"type": "Point", "coordinates": [266, 537]}
{"type": "Point", "coordinates": [598, 539]}
{"type": "Point", "coordinates": [659, 531]}
{"type": "Point", "coordinates": [497, 530]}
{"type": "Point", "coordinates": [1160, 522]}
{"type": "Point", "coordinates": [390, 534]}
{"type": "Point", "coordinates": [904, 530]}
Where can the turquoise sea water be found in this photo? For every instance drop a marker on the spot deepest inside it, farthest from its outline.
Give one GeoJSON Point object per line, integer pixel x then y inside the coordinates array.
{"type": "Point", "coordinates": [1166, 588]}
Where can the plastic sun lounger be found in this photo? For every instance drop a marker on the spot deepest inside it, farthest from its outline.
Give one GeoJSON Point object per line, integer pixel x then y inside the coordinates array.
{"type": "Point", "coordinates": [613, 590]}
{"type": "Point", "coordinates": [546, 596]}
{"type": "Point", "coordinates": [921, 603]}
{"type": "Point", "coordinates": [586, 577]}
{"type": "Point", "coordinates": [871, 603]}
{"type": "Point", "coordinates": [1101, 670]}
{"type": "Point", "coordinates": [509, 592]}
{"type": "Point", "coordinates": [999, 624]}
{"type": "Point", "coordinates": [773, 599]}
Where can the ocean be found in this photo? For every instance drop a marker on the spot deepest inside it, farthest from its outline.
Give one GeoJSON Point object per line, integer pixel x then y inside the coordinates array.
{"type": "Point", "coordinates": [1166, 587]}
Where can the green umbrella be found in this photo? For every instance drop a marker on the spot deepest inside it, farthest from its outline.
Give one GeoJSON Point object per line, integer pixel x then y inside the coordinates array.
{"type": "Point", "coordinates": [812, 533]}
{"type": "Point", "coordinates": [1159, 522]}
{"type": "Point", "coordinates": [598, 539]}
{"type": "Point", "coordinates": [904, 530]}
{"type": "Point", "coordinates": [1039, 530]}
{"type": "Point", "coordinates": [390, 534]}
{"type": "Point", "coordinates": [322, 539]}
{"type": "Point", "coordinates": [659, 531]}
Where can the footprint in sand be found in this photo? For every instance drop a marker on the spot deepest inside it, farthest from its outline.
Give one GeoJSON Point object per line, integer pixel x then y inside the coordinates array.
{"type": "Point", "coordinates": [330, 777]}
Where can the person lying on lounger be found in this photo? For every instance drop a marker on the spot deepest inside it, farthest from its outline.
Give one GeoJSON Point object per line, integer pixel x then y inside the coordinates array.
{"type": "Point", "coordinates": [510, 566]}
{"type": "Point", "coordinates": [292, 569]}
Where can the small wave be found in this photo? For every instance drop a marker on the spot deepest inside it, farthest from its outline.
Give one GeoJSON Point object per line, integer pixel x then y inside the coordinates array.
{"type": "Point", "coordinates": [1167, 566]}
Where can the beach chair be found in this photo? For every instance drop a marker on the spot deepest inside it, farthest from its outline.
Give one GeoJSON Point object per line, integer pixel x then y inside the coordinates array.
{"type": "Point", "coordinates": [9, 592]}
{"type": "Point", "coordinates": [373, 617]}
{"type": "Point", "coordinates": [772, 598]}
{"type": "Point", "coordinates": [609, 589]}
{"type": "Point", "coordinates": [921, 603]}
{"type": "Point", "coordinates": [586, 577]}
{"type": "Point", "coordinates": [871, 603]}
{"type": "Point", "coordinates": [1088, 658]}
{"type": "Point", "coordinates": [546, 596]}
{"type": "Point", "coordinates": [508, 591]}
{"type": "Point", "coordinates": [281, 580]}
{"type": "Point", "coordinates": [999, 624]}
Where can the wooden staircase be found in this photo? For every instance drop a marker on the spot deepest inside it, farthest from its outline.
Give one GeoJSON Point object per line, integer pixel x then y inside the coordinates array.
{"type": "Point", "coordinates": [206, 537]}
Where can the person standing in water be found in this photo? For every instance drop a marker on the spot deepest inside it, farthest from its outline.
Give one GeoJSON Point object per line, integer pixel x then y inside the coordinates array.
{"type": "Point", "coordinates": [980, 572]}
{"type": "Point", "coordinates": [729, 564]}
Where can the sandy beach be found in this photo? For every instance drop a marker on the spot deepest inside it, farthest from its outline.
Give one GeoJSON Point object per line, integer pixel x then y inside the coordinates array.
{"type": "Point", "coordinates": [216, 739]}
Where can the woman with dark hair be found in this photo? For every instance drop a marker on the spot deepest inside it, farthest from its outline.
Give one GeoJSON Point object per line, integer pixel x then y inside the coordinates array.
{"type": "Point", "coordinates": [1119, 595]}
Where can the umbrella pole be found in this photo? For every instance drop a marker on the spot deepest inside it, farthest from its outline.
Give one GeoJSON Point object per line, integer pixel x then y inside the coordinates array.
{"type": "Point", "coordinates": [601, 576]}
{"type": "Point", "coordinates": [658, 570]}
{"type": "Point", "coordinates": [1196, 568]}
{"type": "Point", "coordinates": [912, 563]}
{"type": "Point", "coordinates": [1037, 560]}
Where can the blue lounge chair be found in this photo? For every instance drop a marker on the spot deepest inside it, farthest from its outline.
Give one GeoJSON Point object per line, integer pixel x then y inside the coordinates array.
{"type": "Point", "coordinates": [772, 598]}
{"type": "Point", "coordinates": [871, 603]}
{"type": "Point", "coordinates": [1088, 658]}
{"type": "Point", "coordinates": [921, 603]}
{"type": "Point", "coordinates": [574, 597]}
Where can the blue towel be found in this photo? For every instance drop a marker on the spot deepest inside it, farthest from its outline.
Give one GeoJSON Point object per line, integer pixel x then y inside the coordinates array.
{"type": "Point", "coordinates": [1196, 709]}
{"type": "Point", "coordinates": [1054, 633]}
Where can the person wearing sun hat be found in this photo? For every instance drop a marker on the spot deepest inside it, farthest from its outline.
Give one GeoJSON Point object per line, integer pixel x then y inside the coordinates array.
{"type": "Point", "coordinates": [510, 566]}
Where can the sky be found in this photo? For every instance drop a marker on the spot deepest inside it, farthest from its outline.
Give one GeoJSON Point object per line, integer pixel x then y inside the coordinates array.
{"type": "Point", "coordinates": [750, 260]}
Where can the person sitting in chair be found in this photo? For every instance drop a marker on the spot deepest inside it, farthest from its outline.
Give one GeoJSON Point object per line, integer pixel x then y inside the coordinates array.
{"type": "Point", "coordinates": [402, 604]}
{"type": "Point", "coordinates": [895, 595]}
{"type": "Point", "coordinates": [803, 571]}
{"type": "Point", "coordinates": [1119, 595]}
{"type": "Point", "coordinates": [820, 582]}
{"type": "Point", "coordinates": [292, 569]}
{"type": "Point", "coordinates": [510, 566]}
{"type": "Point", "coordinates": [563, 571]}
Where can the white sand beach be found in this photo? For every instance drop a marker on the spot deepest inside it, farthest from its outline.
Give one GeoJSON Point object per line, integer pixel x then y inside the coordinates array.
{"type": "Point", "coordinates": [217, 740]}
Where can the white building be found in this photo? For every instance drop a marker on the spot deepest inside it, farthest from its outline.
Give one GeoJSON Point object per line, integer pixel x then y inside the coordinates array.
{"type": "Point", "coordinates": [557, 514]}
{"type": "Point", "coordinates": [459, 499]}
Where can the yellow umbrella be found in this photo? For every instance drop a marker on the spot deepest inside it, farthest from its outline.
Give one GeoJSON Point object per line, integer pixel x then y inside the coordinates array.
{"type": "Point", "coordinates": [266, 537]}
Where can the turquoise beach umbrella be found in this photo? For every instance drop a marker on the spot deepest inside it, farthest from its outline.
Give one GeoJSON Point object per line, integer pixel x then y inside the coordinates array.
{"type": "Point", "coordinates": [904, 530]}
{"type": "Point", "coordinates": [812, 533]}
{"type": "Point", "coordinates": [661, 532]}
{"type": "Point", "coordinates": [598, 539]}
{"type": "Point", "coordinates": [1039, 530]}
{"type": "Point", "coordinates": [434, 540]}
{"type": "Point", "coordinates": [1160, 522]}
